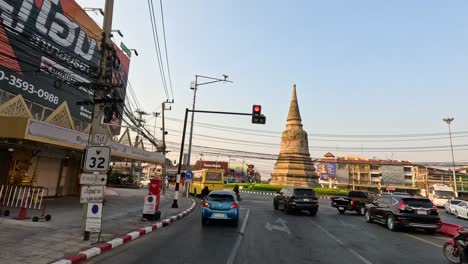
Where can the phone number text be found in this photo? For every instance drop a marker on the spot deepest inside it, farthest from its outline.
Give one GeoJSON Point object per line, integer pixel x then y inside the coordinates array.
{"type": "Point", "coordinates": [27, 87]}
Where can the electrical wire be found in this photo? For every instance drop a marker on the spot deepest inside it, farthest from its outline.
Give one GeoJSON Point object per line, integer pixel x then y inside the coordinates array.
{"type": "Point", "coordinates": [157, 47]}
{"type": "Point", "coordinates": [165, 48]}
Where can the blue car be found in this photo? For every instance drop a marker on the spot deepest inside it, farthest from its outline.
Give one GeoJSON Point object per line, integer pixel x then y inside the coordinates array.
{"type": "Point", "coordinates": [221, 205]}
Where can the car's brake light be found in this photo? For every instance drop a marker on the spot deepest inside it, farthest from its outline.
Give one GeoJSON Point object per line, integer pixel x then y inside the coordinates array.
{"type": "Point", "coordinates": [234, 205]}
{"type": "Point", "coordinates": [352, 202]}
{"type": "Point", "coordinates": [205, 204]}
{"type": "Point", "coordinates": [402, 206]}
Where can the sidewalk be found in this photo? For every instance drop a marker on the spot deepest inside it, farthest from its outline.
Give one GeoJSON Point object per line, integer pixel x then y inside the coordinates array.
{"type": "Point", "coordinates": [23, 241]}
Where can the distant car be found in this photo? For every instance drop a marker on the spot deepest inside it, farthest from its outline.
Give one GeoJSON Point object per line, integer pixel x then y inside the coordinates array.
{"type": "Point", "coordinates": [397, 211]}
{"type": "Point", "coordinates": [354, 201]}
{"type": "Point", "coordinates": [461, 210]}
{"type": "Point", "coordinates": [144, 183]}
{"type": "Point", "coordinates": [292, 199]}
{"type": "Point", "coordinates": [221, 205]}
{"type": "Point", "coordinates": [450, 204]}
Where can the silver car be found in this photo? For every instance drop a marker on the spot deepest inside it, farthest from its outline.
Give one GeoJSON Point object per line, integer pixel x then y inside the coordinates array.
{"type": "Point", "coordinates": [450, 204]}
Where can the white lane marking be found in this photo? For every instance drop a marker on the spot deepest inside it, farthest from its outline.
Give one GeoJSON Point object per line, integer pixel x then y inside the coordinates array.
{"type": "Point", "coordinates": [424, 240]}
{"type": "Point", "coordinates": [363, 259]}
{"type": "Point", "coordinates": [234, 250]}
{"type": "Point", "coordinates": [283, 227]}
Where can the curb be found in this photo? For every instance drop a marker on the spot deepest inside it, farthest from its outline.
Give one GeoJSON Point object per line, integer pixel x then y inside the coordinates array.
{"type": "Point", "coordinates": [104, 247]}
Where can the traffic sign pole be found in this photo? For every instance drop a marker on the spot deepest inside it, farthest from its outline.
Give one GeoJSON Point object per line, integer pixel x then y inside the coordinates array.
{"type": "Point", "coordinates": [98, 132]}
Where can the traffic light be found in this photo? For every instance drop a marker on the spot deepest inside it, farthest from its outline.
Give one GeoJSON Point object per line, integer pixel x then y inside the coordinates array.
{"type": "Point", "coordinates": [257, 117]}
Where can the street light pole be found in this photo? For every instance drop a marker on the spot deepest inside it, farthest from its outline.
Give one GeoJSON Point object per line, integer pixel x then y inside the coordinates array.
{"type": "Point", "coordinates": [449, 120]}
{"type": "Point", "coordinates": [195, 88]}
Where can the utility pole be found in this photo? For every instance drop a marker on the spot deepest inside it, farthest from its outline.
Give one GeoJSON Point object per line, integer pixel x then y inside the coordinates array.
{"type": "Point", "coordinates": [449, 120]}
{"type": "Point", "coordinates": [140, 120]}
{"type": "Point", "coordinates": [164, 132]}
{"type": "Point", "coordinates": [155, 114]}
{"type": "Point", "coordinates": [98, 132]}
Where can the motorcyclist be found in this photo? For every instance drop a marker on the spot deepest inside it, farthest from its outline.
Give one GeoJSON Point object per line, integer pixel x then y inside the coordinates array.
{"type": "Point", "coordinates": [205, 192]}
{"type": "Point", "coordinates": [236, 190]}
{"type": "Point", "coordinates": [463, 231]}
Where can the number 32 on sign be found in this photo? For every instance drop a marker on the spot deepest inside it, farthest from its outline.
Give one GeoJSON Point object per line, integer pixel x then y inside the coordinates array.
{"type": "Point", "coordinates": [97, 159]}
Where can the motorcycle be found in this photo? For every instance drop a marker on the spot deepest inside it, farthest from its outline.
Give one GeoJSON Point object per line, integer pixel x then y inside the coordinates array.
{"type": "Point", "coordinates": [238, 196]}
{"type": "Point", "coordinates": [453, 249]}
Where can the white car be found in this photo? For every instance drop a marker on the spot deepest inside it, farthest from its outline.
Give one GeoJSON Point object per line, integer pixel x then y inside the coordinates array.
{"type": "Point", "coordinates": [461, 210]}
{"type": "Point", "coordinates": [450, 204]}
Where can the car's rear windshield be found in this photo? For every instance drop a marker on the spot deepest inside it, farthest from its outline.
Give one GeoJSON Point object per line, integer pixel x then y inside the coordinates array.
{"type": "Point", "coordinates": [357, 194]}
{"type": "Point", "coordinates": [304, 192]}
{"type": "Point", "coordinates": [220, 197]}
{"type": "Point", "coordinates": [455, 202]}
{"type": "Point", "coordinates": [423, 203]}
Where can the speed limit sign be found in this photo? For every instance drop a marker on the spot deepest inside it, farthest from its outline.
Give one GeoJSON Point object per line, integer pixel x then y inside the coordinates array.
{"type": "Point", "coordinates": [97, 159]}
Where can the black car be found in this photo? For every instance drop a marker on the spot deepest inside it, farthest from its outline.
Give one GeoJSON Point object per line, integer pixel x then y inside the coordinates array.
{"type": "Point", "coordinates": [291, 199]}
{"type": "Point", "coordinates": [397, 211]}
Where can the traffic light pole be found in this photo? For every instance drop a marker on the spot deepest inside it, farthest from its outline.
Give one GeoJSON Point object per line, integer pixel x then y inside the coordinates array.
{"type": "Point", "coordinates": [179, 168]}
{"type": "Point", "coordinates": [181, 154]}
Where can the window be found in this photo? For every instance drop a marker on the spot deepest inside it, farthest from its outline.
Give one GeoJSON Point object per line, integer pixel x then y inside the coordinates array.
{"type": "Point", "coordinates": [220, 197]}
{"type": "Point", "coordinates": [213, 176]}
{"type": "Point", "coordinates": [424, 203]}
{"type": "Point", "coordinates": [304, 192]}
{"type": "Point", "coordinates": [407, 169]}
{"type": "Point", "coordinates": [357, 194]}
{"type": "Point", "coordinates": [455, 202]}
{"type": "Point", "coordinates": [379, 200]}
{"type": "Point", "coordinates": [375, 167]}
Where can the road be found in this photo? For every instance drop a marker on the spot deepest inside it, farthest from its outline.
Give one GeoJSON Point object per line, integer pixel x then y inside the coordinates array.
{"type": "Point", "coordinates": [268, 236]}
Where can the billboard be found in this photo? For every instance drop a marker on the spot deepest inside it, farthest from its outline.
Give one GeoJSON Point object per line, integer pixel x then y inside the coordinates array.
{"type": "Point", "coordinates": [326, 171]}
{"type": "Point", "coordinates": [50, 50]}
{"type": "Point", "coordinates": [205, 164]}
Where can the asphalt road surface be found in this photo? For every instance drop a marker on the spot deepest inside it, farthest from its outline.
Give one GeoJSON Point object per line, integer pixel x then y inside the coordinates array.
{"type": "Point", "coordinates": [268, 236]}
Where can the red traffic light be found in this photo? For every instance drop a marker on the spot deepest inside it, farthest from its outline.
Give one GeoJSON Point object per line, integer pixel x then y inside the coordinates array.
{"type": "Point", "coordinates": [257, 108]}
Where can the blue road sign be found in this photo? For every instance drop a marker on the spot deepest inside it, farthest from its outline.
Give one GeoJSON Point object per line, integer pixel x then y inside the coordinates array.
{"type": "Point", "coordinates": [189, 175]}
{"type": "Point", "coordinates": [95, 209]}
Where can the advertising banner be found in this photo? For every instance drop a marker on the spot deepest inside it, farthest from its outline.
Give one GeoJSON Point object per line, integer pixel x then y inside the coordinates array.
{"type": "Point", "coordinates": [50, 51]}
{"type": "Point", "coordinates": [205, 164]}
{"type": "Point", "coordinates": [326, 171]}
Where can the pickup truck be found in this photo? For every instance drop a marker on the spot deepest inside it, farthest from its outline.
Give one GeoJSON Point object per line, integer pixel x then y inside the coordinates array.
{"type": "Point", "coordinates": [355, 201]}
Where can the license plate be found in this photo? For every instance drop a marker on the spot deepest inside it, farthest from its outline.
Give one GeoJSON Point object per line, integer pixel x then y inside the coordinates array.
{"type": "Point", "coordinates": [306, 200]}
{"type": "Point", "coordinates": [341, 208]}
{"type": "Point", "coordinates": [218, 215]}
{"type": "Point", "coordinates": [421, 212]}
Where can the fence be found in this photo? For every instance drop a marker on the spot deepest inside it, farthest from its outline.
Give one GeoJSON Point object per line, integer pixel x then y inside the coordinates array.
{"type": "Point", "coordinates": [23, 197]}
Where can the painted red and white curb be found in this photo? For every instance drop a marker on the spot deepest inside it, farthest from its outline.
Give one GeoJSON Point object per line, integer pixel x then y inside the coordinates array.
{"type": "Point", "coordinates": [92, 252]}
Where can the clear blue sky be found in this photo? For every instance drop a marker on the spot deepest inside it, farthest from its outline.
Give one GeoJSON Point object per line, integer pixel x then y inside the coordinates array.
{"type": "Point", "coordinates": [361, 67]}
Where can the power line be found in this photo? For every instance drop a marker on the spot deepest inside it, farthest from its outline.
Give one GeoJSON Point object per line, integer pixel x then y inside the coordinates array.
{"type": "Point", "coordinates": [157, 47]}
{"type": "Point", "coordinates": [329, 135]}
{"type": "Point", "coordinates": [165, 48]}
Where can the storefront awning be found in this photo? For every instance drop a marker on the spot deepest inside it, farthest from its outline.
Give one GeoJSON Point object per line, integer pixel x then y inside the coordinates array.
{"type": "Point", "coordinates": [30, 129]}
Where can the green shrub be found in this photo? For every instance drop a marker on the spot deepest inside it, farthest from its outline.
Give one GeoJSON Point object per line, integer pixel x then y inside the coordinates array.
{"type": "Point", "coordinates": [275, 188]}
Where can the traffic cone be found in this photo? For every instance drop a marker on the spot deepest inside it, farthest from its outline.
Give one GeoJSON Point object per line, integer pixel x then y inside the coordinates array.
{"type": "Point", "coordinates": [23, 213]}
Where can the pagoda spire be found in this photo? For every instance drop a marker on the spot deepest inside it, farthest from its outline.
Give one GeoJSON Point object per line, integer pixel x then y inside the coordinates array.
{"type": "Point", "coordinates": [294, 116]}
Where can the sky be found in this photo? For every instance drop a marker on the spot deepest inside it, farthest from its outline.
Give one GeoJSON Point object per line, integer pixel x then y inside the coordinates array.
{"type": "Point", "coordinates": [361, 68]}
